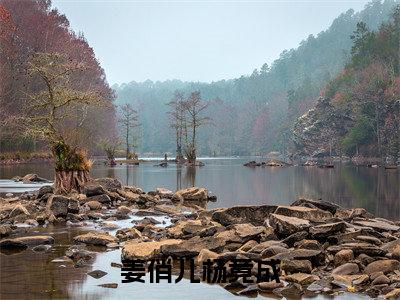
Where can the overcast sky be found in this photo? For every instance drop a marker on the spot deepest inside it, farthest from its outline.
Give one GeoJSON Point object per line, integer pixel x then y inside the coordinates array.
{"type": "Point", "coordinates": [195, 40]}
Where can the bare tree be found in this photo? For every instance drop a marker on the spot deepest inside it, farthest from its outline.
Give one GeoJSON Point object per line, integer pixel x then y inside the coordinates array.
{"type": "Point", "coordinates": [178, 122]}
{"type": "Point", "coordinates": [194, 107]}
{"type": "Point", "coordinates": [55, 103]}
{"type": "Point", "coordinates": [128, 120]}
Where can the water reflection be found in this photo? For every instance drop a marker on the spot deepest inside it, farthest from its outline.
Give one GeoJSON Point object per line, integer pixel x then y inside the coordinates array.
{"type": "Point", "coordinates": [377, 190]}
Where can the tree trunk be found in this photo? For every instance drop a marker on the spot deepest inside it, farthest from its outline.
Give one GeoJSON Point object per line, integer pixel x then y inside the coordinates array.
{"type": "Point", "coordinates": [68, 181]}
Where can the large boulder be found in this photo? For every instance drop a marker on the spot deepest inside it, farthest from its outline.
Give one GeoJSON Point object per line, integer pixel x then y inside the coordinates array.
{"type": "Point", "coordinates": [316, 257]}
{"type": "Point", "coordinates": [325, 230]}
{"type": "Point", "coordinates": [383, 265]}
{"type": "Point", "coordinates": [310, 214]}
{"type": "Point", "coordinates": [191, 194]}
{"type": "Point", "coordinates": [96, 238]}
{"type": "Point", "coordinates": [323, 205]}
{"type": "Point", "coordinates": [285, 225]}
{"type": "Point", "coordinates": [145, 250]}
{"type": "Point", "coordinates": [92, 189]}
{"type": "Point", "coordinates": [26, 241]}
{"type": "Point", "coordinates": [103, 198]}
{"type": "Point", "coordinates": [58, 205]}
{"type": "Point", "coordinates": [254, 214]}
{"type": "Point", "coordinates": [378, 225]}
{"type": "Point", "coordinates": [109, 184]}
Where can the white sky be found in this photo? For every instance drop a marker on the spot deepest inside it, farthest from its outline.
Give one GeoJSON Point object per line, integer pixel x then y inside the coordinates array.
{"type": "Point", "coordinates": [195, 40]}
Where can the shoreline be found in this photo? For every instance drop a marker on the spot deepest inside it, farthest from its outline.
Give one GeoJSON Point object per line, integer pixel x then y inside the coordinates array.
{"type": "Point", "coordinates": [322, 247]}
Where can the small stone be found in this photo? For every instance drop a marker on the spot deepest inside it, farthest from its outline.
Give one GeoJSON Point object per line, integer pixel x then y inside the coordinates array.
{"type": "Point", "coordinates": [382, 279]}
{"type": "Point", "coordinates": [343, 256]}
{"type": "Point", "coordinates": [109, 285]}
{"type": "Point", "coordinates": [386, 266]}
{"type": "Point", "coordinates": [116, 265]}
{"type": "Point", "coordinates": [291, 290]}
{"type": "Point", "coordinates": [302, 278]}
{"type": "Point", "coordinates": [346, 269]}
{"type": "Point", "coordinates": [296, 266]}
{"type": "Point", "coordinates": [97, 274]}
{"type": "Point", "coordinates": [269, 286]}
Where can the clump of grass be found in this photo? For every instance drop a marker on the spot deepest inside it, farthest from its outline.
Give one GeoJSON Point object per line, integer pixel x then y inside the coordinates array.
{"type": "Point", "coordinates": [70, 159]}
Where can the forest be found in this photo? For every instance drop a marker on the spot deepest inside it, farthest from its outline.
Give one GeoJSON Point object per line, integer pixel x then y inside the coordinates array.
{"type": "Point", "coordinates": [252, 114]}
{"type": "Point", "coordinates": [255, 114]}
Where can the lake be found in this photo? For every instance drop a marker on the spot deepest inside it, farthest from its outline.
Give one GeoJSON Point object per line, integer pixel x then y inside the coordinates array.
{"type": "Point", "coordinates": [375, 189]}
{"type": "Point", "coordinates": [28, 274]}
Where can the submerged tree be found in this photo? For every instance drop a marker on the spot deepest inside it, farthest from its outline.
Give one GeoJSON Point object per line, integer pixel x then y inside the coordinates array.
{"type": "Point", "coordinates": [110, 147]}
{"type": "Point", "coordinates": [194, 107]}
{"type": "Point", "coordinates": [178, 122]}
{"type": "Point", "coordinates": [58, 101]}
{"type": "Point", "coordinates": [128, 120]}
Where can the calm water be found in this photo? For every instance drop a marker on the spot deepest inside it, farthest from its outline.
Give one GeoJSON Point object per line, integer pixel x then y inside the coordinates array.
{"type": "Point", "coordinates": [30, 275]}
{"type": "Point", "coordinates": [377, 190]}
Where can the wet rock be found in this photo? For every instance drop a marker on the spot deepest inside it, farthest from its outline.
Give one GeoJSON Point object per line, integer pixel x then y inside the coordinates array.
{"type": "Point", "coordinates": [57, 205]}
{"type": "Point", "coordinates": [296, 266]}
{"type": "Point", "coordinates": [77, 252]}
{"type": "Point", "coordinates": [206, 254]}
{"type": "Point", "coordinates": [26, 241]}
{"type": "Point", "coordinates": [322, 285]}
{"type": "Point", "coordinates": [308, 244]}
{"type": "Point", "coordinates": [73, 206]}
{"type": "Point", "coordinates": [5, 230]}
{"type": "Point", "coordinates": [250, 290]}
{"type": "Point", "coordinates": [359, 248]}
{"type": "Point", "coordinates": [109, 184]}
{"type": "Point", "coordinates": [128, 234]}
{"type": "Point", "coordinates": [346, 269]}
{"type": "Point", "coordinates": [94, 205]}
{"type": "Point", "coordinates": [18, 209]}
{"type": "Point", "coordinates": [164, 193]}
{"type": "Point", "coordinates": [97, 274]}
{"type": "Point", "coordinates": [285, 225]}
{"type": "Point", "coordinates": [369, 239]}
{"type": "Point", "coordinates": [386, 266]}
{"type": "Point", "coordinates": [343, 256]}
{"type": "Point", "coordinates": [273, 250]}
{"type": "Point", "coordinates": [189, 194]}
{"type": "Point", "coordinates": [41, 248]}
{"type": "Point", "coordinates": [378, 225]}
{"type": "Point", "coordinates": [325, 230]}
{"type": "Point", "coordinates": [306, 213]}
{"type": "Point", "coordinates": [252, 164]}
{"type": "Point", "coordinates": [315, 256]}
{"type": "Point", "coordinates": [248, 245]}
{"type": "Point", "coordinates": [295, 237]}
{"type": "Point", "coordinates": [91, 189]}
{"type": "Point", "coordinates": [95, 238]}
{"type": "Point", "coordinates": [254, 214]}
{"type": "Point", "coordinates": [291, 290]}
{"type": "Point", "coordinates": [264, 245]}
{"type": "Point", "coordinates": [248, 231]}
{"type": "Point", "coordinates": [382, 279]}
{"type": "Point", "coordinates": [128, 195]}
{"type": "Point", "coordinates": [269, 286]}
{"type": "Point", "coordinates": [103, 198]}
{"type": "Point", "coordinates": [116, 265]}
{"type": "Point", "coordinates": [395, 294]}
{"type": "Point", "coordinates": [145, 250]}
{"type": "Point", "coordinates": [109, 285]}
{"type": "Point", "coordinates": [47, 189]}
{"type": "Point", "coordinates": [32, 178]}
{"type": "Point", "coordinates": [109, 226]}
{"type": "Point", "coordinates": [323, 205]}
{"type": "Point", "coordinates": [302, 278]}
{"type": "Point", "coordinates": [123, 210]}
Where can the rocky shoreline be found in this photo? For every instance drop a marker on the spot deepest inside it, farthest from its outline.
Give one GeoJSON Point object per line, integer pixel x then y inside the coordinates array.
{"type": "Point", "coordinates": [321, 247]}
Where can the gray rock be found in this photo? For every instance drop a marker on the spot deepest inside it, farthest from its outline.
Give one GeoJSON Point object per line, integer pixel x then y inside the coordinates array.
{"type": "Point", "coordinates": [254, 214]}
